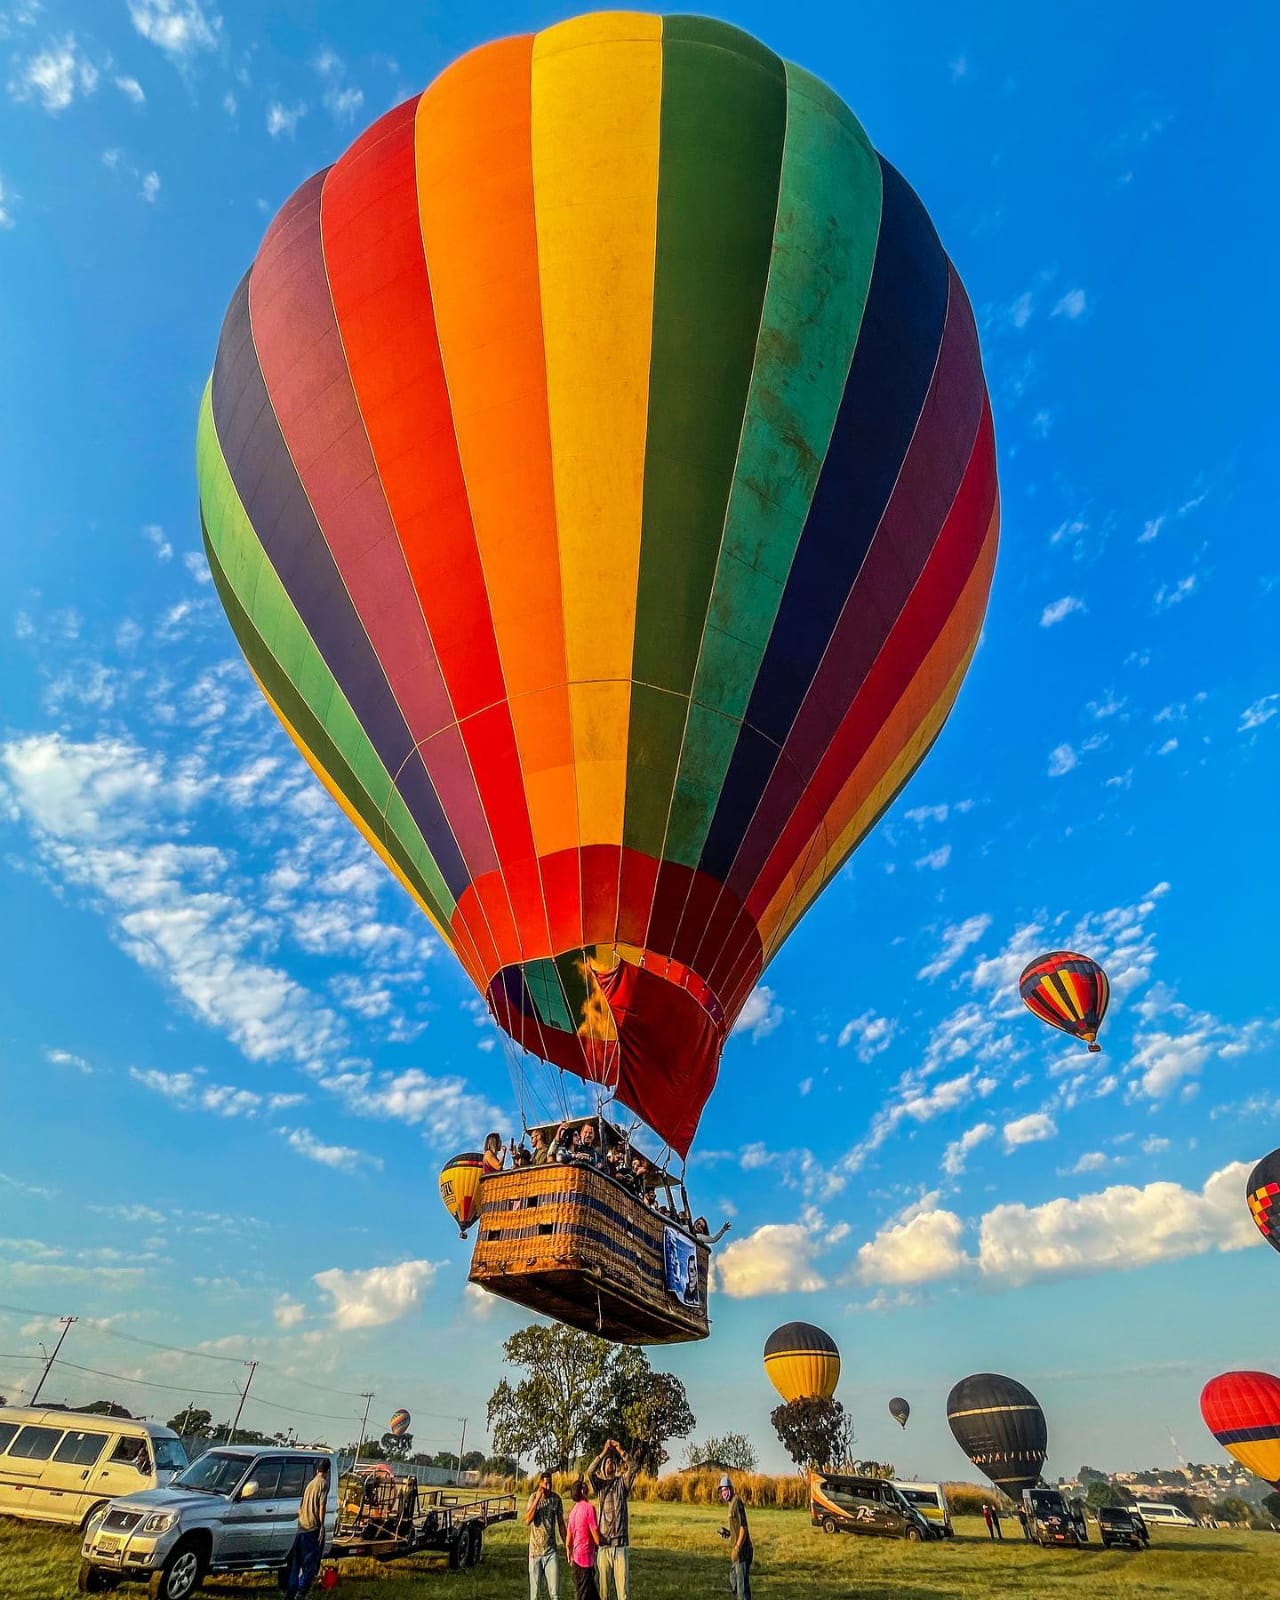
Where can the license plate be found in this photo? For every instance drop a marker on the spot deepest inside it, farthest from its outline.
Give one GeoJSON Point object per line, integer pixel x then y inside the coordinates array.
{"type": "Point", "coordinates": [106, 1546]}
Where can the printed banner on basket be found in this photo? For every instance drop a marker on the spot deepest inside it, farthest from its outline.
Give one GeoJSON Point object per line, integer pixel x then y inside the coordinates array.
{"type": "Point", "coordinates": [682, 1268]}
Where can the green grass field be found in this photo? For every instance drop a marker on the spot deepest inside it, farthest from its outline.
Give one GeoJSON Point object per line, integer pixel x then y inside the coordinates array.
{"type": "Point", "coordinates": [678, 1555]}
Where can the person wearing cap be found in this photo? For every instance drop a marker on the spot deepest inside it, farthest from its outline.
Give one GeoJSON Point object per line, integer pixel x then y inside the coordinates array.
{"type": "Point", "coordinates": [544, 1517]}
{"type": "Point", "coordinates": [741, 1550]}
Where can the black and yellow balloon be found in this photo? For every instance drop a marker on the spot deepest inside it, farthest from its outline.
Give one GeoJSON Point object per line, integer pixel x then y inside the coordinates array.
{"type": "Point", "coordinates": [802, 1362]}
{"type": "Point", "coordinates": [460, 1188]}
{"type": "Point", "coordinates": [899, 1410]}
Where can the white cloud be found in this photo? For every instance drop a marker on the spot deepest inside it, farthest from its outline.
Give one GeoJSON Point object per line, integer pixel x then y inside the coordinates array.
{"type": "Point", "coordinates": [341, 1157]}
{"type": "Point", "coordinates": [1154, 1146]}
{"type": "Point", "coordinates": [154, 534]}
{"type": "Point", "coordinates": [1062, 759]}
{"type": "Point", "coordinates": [1059, 610]}
{"type": "Point", "coordinates": [1020, 310]}
{"type": "Point", "coordinates": [777, 1258]}
{"type": "Point", "coordinates": [1260, 712]}
{"type": "Point", "coordinates": [1107, 706]}
{"type": "Point", "coordinates": [7, 200]}
{"type": "Point", "coordinates": [1118, 1227]}
{"type": "Point", "coordinates": [181, 28]}
{"type": "Point", "coordinates": [1172, 594]}
{"type": "Point", "coordinates": [1034, 1128]}
{"type": "Point", "coordinates": [923, 814]}
{"type": "Point", "coordinates": [284, 119]}
{"type": "Point", "coordinates": [925, 1247]}
{"type": "Point", "coordinates": [956, 939]}
{"type": "Point", "coordinates": [55, 75]}
{"type": "Point", "coordinates": [760, 1015]}
{"type": "Point", "coordinates": [934, 860]}
{"type": "Point", "coordinates": [445, 1109]}
{"type": "Point", "coordinates": [955, 1157]}
{"type": "Point", "coordinates": [64, 1058]}
{"type": "Point", "coordinates": [1092, 1161]}
{"type": "Point", "coordinates": [343, 104]}
{"type": "Point", "coordinates": [1073, 304]}
{"type": "Point", "coordinates": [288, 1313]}
{"type": "Point", "coordinates": [869, 1034]}
{"type": "Point", "coordinates": [1151, 530]}
{"type": "Point", "coordinates": [131, 89]}
{"type": "Point", "coordinates": [193, 1092]}
{"type": "Point", "coordinates": [374, 1297]}
{"type": "Point", "coordinates": [150, 190]}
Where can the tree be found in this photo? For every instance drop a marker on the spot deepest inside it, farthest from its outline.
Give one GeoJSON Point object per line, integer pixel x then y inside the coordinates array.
{"type": "Point", "coordinates": [1088, 1475]}
{"type": "Point", "coordinates": [104, 1408]}
{"type": "Point", "coordinates": [579, 1391]}
{"type": "Point", "coordinates": [1101, 1493]}
{"type": "Point", "coordinates": [192, 1421]}
{"type": "Point", "coordinates": [733, 1450]}
{"type": "Point", "coordinates": [396, 1446]}
{"type": "Point", "coordinates": [1271, 1505]}
{"type": "Point", "coordinates": [813, 1431]}
{"type": "Point", "coordinates": [1231, 1508]}
{"type": "Point", "coordinates": [473, 1461]}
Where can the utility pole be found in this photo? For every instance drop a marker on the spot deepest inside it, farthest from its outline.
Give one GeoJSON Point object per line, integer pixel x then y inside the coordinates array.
{"type": "Point", "coordinates": [367, 1396]}
{"type": "Point", "coordinates": [253, 1367]}
{"type": "Point", "coordinates": [66, 1329]}
{"type": "Point", "coordinates": [462, 1445]}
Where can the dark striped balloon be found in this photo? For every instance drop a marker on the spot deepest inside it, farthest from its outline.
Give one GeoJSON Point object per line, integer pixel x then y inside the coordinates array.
{"type": "Point", "coordinates": [1067, 991]}
{"type": "Point", "coordinates": [999, 1425]}
{"type": "Point", "coordinates": [598, 474]}
{"type": "Point", "coordinates": [1263, 1193]}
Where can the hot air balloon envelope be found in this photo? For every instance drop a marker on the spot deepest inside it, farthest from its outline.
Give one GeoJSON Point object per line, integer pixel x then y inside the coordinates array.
{"type": "Point", "coordinates": [1263, 1191]}
{"type": "Point", "coordinates": [1242, 1411]}
{"type": "Point", "coordinates": [460, 1187]}
{"type": "Point", "coordinates": [802, 1362]}
{"type": "Point", "coordinates": [899, 1410]}
{"type": "Point", "coordinates": [999, 1425]}
{"type": "Point", "coordinates": [400, 1422]}
{"type": "Point", "coordinates": [598, 474]}
{"type": "Point", "coordinates": [1068, 991]}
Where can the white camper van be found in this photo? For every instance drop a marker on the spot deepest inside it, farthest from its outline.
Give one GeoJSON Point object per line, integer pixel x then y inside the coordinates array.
{"type": "Point", "coordinates": [62, 1466]}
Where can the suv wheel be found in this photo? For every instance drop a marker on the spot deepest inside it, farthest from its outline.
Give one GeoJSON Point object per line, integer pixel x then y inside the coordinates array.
{"type": "Point", "coordinates": [828, 1524]}
{"type": "Point", "coordinates": [912, 1535]}
{"type": "Point", "coordinates": [181, 1575]}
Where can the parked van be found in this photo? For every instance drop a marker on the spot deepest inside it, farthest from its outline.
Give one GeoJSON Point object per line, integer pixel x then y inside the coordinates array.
{"type": "Point", "coordinates": [62, 1466]}
{"type": "Point", "coordinates": [930, 1500]}
{"type": "Point", "coordinates": [842, 1503]}
{"type": "Point", "coordinates": [1051, 1520]}
{"type": "Point", "coordinates": [1164, 1515]}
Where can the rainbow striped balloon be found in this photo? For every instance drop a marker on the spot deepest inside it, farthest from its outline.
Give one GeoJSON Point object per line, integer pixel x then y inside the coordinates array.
{"type": "Point", "coordinates": [597, 472]}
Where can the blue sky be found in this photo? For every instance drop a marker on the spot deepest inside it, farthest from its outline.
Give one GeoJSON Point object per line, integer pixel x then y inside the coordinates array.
{"type": "Point", "coordinates": [233, 1055]}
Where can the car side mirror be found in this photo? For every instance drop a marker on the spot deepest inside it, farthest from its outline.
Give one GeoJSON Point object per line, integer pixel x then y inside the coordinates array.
{"type": "Point", "coordinates": [249, 1491]}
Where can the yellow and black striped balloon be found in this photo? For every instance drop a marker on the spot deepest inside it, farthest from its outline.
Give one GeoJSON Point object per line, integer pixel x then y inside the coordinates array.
{"type": "Point", "coordinates": [460, 1188]}
{"type": "Point", "coordinates": [802, 1362]}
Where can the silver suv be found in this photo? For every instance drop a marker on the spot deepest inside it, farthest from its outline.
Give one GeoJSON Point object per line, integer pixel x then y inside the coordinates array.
{"type": "Point", "coordinates": [234, 1509]}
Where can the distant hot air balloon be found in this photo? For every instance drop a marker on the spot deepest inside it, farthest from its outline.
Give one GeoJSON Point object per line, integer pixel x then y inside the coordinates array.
{"type": "Point", "coordinates": [400, 1422]}
{"type": "Point", "coordinates": [1242, 1411]}
{"type": "Point", "coordinates": [598, 474]}
{"type": "Point", "coordinates": [999, 1425]}
{"type": "Point", "coordinates": [802, 1362]}
{"type": "Point", "coordinates": [899, 1410]}
{"type": "Point", "coordinates": [460, 1187]}
{"type": "Point", "coordinates": [1068, 991]}
{"type": "Point", "coordinates": [1263, 1190]}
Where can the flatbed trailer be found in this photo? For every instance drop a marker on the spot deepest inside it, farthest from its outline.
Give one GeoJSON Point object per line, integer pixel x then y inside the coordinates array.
{"type": "Point", "coordinates": [385, 1517]}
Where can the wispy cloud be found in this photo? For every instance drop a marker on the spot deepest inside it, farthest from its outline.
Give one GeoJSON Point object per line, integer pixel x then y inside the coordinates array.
{"type": "Point", "coordinates": [341, 1157]}
{"type": "Point", "coordinates": [1062, 759]}
{"type": "Point", "coordinates": [1034, 1128]}
{"type": "Point", "coordinates": [1259, 713]}
{"type": "Point", "coordinates": [1173, 594]}
{"type": "Point", "coordinates": [376, 1296]}
{"type": "Point", "coordinates": [55, 75]}
{"type": "Point", "coordinates": [1073, 304]}
{"type": "Point", "coordinates": [1059, 610]}
{"type": "Point", "coordinates": [131, 89]}
{"type": "Point", "coordinates": [760, 1015]}
{"type": "Point", "coordinates": [284, 119]}
{"type": "Point", "coordinates": [933, 860]}
{"type": "Point", "coordinates": [868, 1035]}
{"type": "Point", "coordinates": [180, 28]}
{"type": "Point", "coordinates": [956, 939]}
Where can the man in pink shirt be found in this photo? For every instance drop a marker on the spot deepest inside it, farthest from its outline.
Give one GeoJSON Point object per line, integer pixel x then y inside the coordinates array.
{"type": "Point", "coordinates": [582, 1542]}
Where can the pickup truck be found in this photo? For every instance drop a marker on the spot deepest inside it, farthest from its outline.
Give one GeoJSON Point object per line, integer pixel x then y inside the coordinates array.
{"type": "Point", "coordinates": [234, 1509]}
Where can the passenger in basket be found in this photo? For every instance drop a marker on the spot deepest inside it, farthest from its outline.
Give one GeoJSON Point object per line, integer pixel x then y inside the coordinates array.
{"type": "Point", "coordinates": [521, 1156]}
{"type": "Point", "coordinates": [581, 1542]}
{"type": "Point", "coordinates": [541, 1147]}
{"type": "Point", "coordinates": [636, 1175]}
{"type": "Point", "coordinates": [565, 1144]}
{"type": "Point", "coordinates": [495, 1156]}
{"type": "Point", "coordinates": [588, 1152]}
{"type": "Point", "coordinates": [702, 1231]}
{"type": "Point", "coordinates": [615, 1163]}
{"type": "Point", "coordinates": [612, 1475]}
{"type": "Point", "coordinates": [544, 1517]}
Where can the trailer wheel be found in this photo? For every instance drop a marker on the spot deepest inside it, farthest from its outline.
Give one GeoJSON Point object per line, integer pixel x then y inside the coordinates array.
{"type": "Point", "coordinates": [459, 1549]}
{"type": "Point", "coordinates": [476, 1552]}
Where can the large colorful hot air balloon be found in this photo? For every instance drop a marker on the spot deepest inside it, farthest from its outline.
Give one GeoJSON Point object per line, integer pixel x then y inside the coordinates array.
{"type": "Point", "coordinates": [460, 1187]}
{"type": "Point", "coordinates": [1242, 1411]}
{"type": "Point", "coordinates": [999, 1425]}
{"type": "Point", "coordinates": [597, 471]}
{"type": "Point", "coordinates": [1263, 1192]}
{"type": "Point", "coordinates": [802, 1362]}
{"type": "Point", "coordinates": [899, 1410]}
{"type": "Point", "coordinates": [400, 1423]}
{"type": "Point", "coordinates": [1067, 991]}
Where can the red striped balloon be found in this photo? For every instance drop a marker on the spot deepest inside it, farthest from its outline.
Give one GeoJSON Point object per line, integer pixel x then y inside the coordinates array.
{"type": "Point", "coordinates": [1067, 991]}
{"type": "Point", "coordinates": [1242, 1411]}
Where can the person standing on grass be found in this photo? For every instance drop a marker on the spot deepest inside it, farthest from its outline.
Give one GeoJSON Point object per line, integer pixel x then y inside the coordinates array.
{"type": "Point", "coordinates": [741, 1550]}
{"type": "Point", "coordinates": [308, 1542]}
{"type": "Point", "coordinates": [987, 1518]}
{"type": "Point", "coordinates": [544, 1518]}
{"type": "Point", "coordinates": [582, 1543]}
{"type": "Point", "coordinates": [612, 1475]}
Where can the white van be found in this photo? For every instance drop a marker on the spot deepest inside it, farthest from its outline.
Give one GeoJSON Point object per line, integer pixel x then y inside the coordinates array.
{"type": "Point", "coordinates": [1161, 1515]}
{"type": "Point", "coordinates": [62, 1466]}
{"type": "Point", "coordinates": [930, 1500]}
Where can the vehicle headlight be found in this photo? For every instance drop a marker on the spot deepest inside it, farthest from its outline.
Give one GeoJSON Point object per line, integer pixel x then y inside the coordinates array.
{"type": "Point", "coordinates": [159, 1522]}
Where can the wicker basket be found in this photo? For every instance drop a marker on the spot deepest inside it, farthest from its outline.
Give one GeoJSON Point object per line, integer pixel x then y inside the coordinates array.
{"type": "Point", "coordinates": [575, 1245]}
